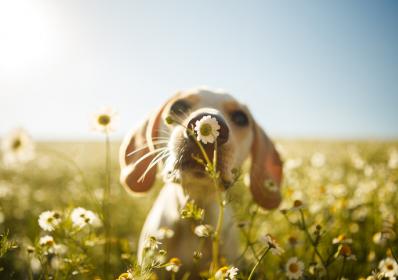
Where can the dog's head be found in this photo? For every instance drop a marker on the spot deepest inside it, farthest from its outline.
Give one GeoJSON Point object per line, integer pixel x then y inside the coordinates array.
{"type": "Point", "coordinates": [240, 137]}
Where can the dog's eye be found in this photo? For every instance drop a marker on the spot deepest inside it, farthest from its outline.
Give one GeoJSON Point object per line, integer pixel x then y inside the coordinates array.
{"type": "Point", "coordinates": [239, 118]}
{"type": "Point", "coordinates": [180, 107]}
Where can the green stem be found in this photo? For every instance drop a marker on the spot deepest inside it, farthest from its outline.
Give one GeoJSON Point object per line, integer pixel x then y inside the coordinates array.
{"type": "Point", "coordinates": [393, 255]}
{"type": "Point", "coordinates": [217, 233]}
{"type": "Point", "coordinates": [257, 264]}
{"type": "Point", "coordinates": [248, 234]}
{"type": "Point", "coordinates": [342, 269]}
{"type": "Point", "coordinates": [305, 229]}
{"type": "Point", "coordinates": [105, 207]}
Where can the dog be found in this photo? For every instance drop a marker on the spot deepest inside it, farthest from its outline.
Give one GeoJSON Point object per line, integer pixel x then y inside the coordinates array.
{"type": "Point", "coordinates": [155, 141]}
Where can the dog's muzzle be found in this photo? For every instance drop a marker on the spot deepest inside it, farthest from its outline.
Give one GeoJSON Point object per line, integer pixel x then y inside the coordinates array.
{"type": "Point", "coordinates": [189, 148]}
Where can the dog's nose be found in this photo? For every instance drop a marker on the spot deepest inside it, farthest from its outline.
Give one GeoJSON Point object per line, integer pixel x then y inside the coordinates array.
{"type": "Point", "coordinates": [223, 131]}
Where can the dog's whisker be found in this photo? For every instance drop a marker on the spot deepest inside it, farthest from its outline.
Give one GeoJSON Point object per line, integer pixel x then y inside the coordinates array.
{"type": "Point", "coordinates": [160, 138]}
{"type": "Point", "coordinates": [186, 115]}
{"type": "Point", "coordinates": [146, 146]}
{"type": "Point", "coordinates": [165, 131]}
{"type": "Point", "coordinates": [151, 164]}
{"type": "Point", "coordinates": [149, 155]}
{"type": "Point", "coordinates": [155, 161]}
{"type": "Point", "coordinates": [179, 118]}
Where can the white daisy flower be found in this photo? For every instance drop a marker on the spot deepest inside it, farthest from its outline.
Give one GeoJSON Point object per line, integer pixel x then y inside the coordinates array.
{"type": "Point", "coordinates": [81, 217]}
{"type": "Point", "coordinates": [60, 249]}
{"type": "Point", "coordinates": [151, 243]}
{"type": "Point", "coordinates": [35, 265]}
{"type": "Point", "coordinates": [207, 129]}
{"type": "Point", "coordinates": [203, 230]}
{"type": "Point", "coordinates": [173, 265]}
{"type": "Point", "coordinates": [273, 246]}
{"type": "Point", "coordinates": [341, 239]}
{"type": "Point", "coordinates": [46, 241]}
{"type": "Point", "coordinates": [17, 147]}
{"type": "Point", "coordinates": [294, 268]}
{"type": "Point", "coordinates": [164, 232]}
{"type": "Point", "coordinates": [226, 273]}
{"type": "Point", "coordinates": [105, 120]}
{"type": "Point", "coordinates": [388, 267]}
{"type": "Point", "coordinates": [48, 220]}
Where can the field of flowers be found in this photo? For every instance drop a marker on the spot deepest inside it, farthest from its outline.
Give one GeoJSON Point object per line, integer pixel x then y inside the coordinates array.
{"type": "Point", "coordinates": [64, 215]}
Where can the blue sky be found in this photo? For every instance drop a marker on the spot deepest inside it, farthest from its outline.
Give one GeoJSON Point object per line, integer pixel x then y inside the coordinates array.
{"type": "Point", "coordinates": [316, 69]}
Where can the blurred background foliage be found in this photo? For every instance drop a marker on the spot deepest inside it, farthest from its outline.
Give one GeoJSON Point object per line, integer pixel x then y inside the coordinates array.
{"type": "Point", "coordinates": [347, 188]}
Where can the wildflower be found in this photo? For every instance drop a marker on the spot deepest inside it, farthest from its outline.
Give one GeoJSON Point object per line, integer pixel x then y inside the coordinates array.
{"type": "Point", "coordinates": [17, 147]}
{"type": "Point", "coordinates": [297, 204]}
{"type": "Point", "coordinates": [104, 120]}
{"type": "Point", "coordinates": [48, 220]}
{"type": "Point", "coordinates": [345, 251]}
{"type": "Point", "coordinates": [273, 245]}
{"type": "Point", "coordinates": [5, 190]}
{"type": "Point", "coordinates": [35, 265]}
{"type": "Point", "coordinates": [160, 257]}
{"type": "Point", "coordinates": [207, 129]}
{"type": "Point", "coordinates": [318, 160]}
{"type": "Point", "coordinates": [126, 276]}
{"type": "Point", "coordinates": [388, 267]}
{"type": "Point", "coordinates": [203, 230]}
{"type": "Point", "coordinates": [293, 241]}
{"type": "Point", "coordinates": [164, 232]}
{"type": "Point", "coordinates": [169, 120]}
{"type": "Point", "coordinates": [151, 243]}
{"type": "Point", "coordinates": [226, 273]}
{"type": "Point", "coordinates": [380, 238]}
{"type": "Point", "coordinates": [56, 263]}
{"type": "Point", "coordinates": [341, 239]}
{"type": "Point", "coordinates": [294, 268]}
{"type": "Point", "coordinates": [173, 265]}
{"type": "Point", "coordinates": [60, 249]}
{"type": "Point", "coordinates": [393, 159]}
{"type": "Point", "coordinates": [271, 186]}
{"type": "Point", "coordinates": [46, 241]}
{"type": "Point", "coordinates": [192, 211]}
{"type": "Point", "coordinates": [81, 217]}
{"type": "Point", "coordinates": [317, 269]}
{"type": "Point", "coordinates": [197, 255]}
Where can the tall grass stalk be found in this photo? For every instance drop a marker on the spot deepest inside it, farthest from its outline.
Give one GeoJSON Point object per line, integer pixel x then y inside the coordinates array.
{"type": "Point", "coordinates": [105, 207]}
{"type": "Point", "coordinates": [258, 263]}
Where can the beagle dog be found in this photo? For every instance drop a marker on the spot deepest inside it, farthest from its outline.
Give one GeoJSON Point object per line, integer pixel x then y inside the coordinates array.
{"type": "Point", "coordinates": [157, 142]}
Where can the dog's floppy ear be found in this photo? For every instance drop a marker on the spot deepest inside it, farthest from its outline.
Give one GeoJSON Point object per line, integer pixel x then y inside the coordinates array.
{"type": "Point", "coordinates": [266, 170]}
{"type": "Point", "coordinates": [134, 158]}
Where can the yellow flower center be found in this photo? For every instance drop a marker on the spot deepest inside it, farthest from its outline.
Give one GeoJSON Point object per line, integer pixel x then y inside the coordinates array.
{"type": "Point", "coordinates": [123, 276]}
{"type": "Point", "coordinates": [390, 266]}
{"type": "Point", "coordinates": [205, 129]}
{"type": "Point", "coordinates": [341, 237]}
{"type": "Point", "coordinates": [16, 144]}
{"type": "Point", "coordinates": [104, 119]}
{"type": "Point", "coordinates": [297, 203]}
{"type": "Point", "coordinates": [293, 267]}
{"type": "Point", "coordinates": [345, 251]}
{"type": "Point", "coordinates": [224, 269]}
{"type": "Point", "coordinates": [175, 261]}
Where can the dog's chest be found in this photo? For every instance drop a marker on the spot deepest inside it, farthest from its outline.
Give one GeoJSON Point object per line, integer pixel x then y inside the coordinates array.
{"type": "Point", "coordinates": [166, 214]}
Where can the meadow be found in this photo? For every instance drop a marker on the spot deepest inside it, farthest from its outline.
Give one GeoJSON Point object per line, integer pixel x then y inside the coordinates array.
{"type": "Point", "coordinates": [337, 219]}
